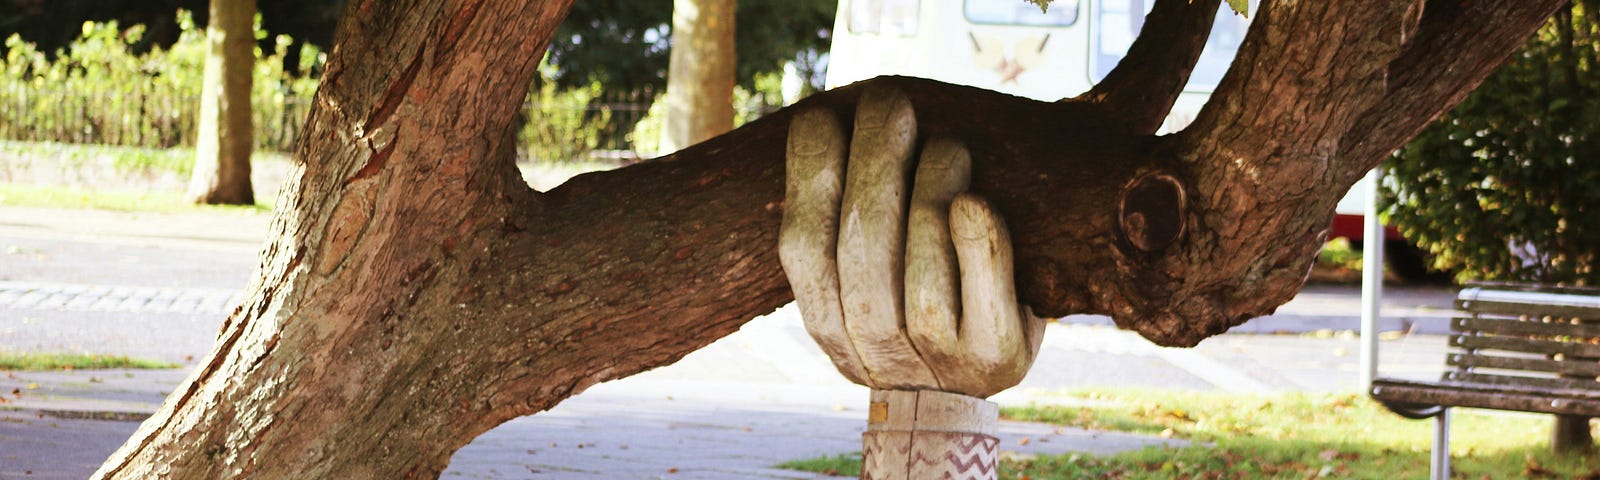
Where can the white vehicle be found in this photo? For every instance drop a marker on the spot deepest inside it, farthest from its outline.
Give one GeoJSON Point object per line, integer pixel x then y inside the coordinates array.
{"type": "Point", "coordinates": [1011, 46]}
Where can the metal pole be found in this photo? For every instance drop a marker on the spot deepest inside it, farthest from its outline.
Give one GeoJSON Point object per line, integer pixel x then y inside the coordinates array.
{"type": "Point", "coordinates": [1439, 465]}
{"type": "Point", "coordinates": [1371, 281]}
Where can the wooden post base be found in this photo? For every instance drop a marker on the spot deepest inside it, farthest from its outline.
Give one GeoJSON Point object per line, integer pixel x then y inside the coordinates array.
{"type": "Point", "coordinates": [1571, 434]}
{"type": "Point", "coordinates": [929, 434]}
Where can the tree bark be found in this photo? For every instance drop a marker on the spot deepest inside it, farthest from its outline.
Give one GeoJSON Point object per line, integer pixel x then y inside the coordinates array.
{"type": "Point", "coordinates": [416, 293]}
{"type": "Point", "coordinates": [1140, 90]}
{"type": "Point", "coordinates": [221, 172]}
{"type": "Point", "coordinates": [700, 73]}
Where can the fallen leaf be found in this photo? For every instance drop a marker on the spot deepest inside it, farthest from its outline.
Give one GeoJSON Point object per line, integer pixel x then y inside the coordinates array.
{"type": "Point", "coordinates": [33, 386]}
{"type": "Point", "coordinates": [1532, 469]}
{"type": "Point", "coordinates": [1024, 441]}
{"type": "Point", "coordinates": [672, 469]}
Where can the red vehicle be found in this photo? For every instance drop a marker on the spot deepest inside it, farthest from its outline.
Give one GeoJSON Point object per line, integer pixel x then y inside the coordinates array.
{"type": "Point", "coordinates": [1401, 256]}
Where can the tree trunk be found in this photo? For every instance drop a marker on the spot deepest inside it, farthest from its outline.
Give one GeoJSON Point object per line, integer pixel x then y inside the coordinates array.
{"type": "Point", "coordinates": [700, 73]}
{"type": "Point", "coordinates": [222, 150]}
{"type": "Point", "coordinates": [416, 293]}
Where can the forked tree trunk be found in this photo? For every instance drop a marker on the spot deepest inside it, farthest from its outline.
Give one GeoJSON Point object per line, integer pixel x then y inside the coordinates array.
{"type": "Point", "coordinates": [221, 172]}
{"type": "Point", "coordinates": [700, 73]}
{"type": "Point", "coordinates": [416, 293]}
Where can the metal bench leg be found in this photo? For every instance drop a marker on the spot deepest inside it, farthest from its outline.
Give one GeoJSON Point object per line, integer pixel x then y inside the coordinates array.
{"type": "Point", "coordinates": [1439, 465]}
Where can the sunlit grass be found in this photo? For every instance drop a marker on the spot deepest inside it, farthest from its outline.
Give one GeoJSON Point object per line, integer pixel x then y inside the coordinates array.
{"type": "Point", "coordinates": [844, 465]}
{"type": "Point", "coordinates": [20, 195]}
{"type": "Point", "coordinates": [75, 361]}
{"type": "Point", "coordinates": [1291, 435]}
{"type": "Point", "coordinates": [122, 158]}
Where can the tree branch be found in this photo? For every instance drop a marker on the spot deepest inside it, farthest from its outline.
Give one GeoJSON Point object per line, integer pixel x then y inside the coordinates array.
{"type": "Point", "coordinates": [1140, 91]}
{"type": "Point", "coordinates": [1338, 69]}
{"type": "Point", "coordinates": [1455, 47]}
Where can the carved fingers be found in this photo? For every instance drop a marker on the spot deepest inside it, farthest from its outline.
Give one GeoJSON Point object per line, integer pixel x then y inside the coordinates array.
{"type": "Point", "coordinates": [903, 287]}
{"type": "Point", "coordinates": [961, 302]}
{"type": "Point", "coordinates": [998, 337]}
{"type": "Point", "coordinates": [808, 239]}
{"type": "Point", "coordinates": [872, 240]}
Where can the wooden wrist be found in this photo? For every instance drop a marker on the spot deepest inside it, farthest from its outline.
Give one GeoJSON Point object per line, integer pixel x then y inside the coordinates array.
{"type": "Point", "coordinates": [929, 434]}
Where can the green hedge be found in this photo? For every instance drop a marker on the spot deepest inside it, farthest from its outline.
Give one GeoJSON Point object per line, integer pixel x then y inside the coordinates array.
{"type": "Point", "coordinates": [98, 91]}
{"type": "Point", "coordinates": [1507, 185]}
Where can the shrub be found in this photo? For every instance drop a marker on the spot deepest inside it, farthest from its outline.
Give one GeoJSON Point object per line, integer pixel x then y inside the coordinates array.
{"type": "Point", "coordinates": [97, 91]}
{"type": "Point", "coordinates": [1507, 185]}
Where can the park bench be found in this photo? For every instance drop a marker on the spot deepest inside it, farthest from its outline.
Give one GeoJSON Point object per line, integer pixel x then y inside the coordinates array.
{"type": "Point", "coordinates": [1513, 347]}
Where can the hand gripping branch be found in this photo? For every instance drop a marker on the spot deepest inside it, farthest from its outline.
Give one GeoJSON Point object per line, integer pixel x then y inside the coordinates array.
{"type": "Point", "coordinates": [908, 288]}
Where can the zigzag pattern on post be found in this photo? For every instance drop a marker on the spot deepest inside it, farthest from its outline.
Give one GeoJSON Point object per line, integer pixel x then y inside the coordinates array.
{"type": "Point", "coordinates": [884, 455]}
{"type": "Point", "coordinates": [956, 456]}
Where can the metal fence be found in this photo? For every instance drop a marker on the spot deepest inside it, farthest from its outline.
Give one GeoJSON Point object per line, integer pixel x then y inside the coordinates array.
{"type": "Point", "coordinates": [134, 115]}
{"type": "Point", "coordinates": [554, 128]}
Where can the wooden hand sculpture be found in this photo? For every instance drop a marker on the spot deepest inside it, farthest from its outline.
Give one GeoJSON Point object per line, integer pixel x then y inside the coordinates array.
{"type": "Point", "coordinates": [909, 292]}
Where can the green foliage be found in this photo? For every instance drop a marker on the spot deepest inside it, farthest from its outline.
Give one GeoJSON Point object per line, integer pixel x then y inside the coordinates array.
{"type": "Point", "coordinates": [625, 45]}
{"type": "Point", "coordinates": [1507, 185]}
{"type": "Point", "coordinates": [1242, 7]}
{"type": "Point", "coordinates": [98, 91]}
{"type": "Point", "coordinates": [1338, 254]}
{"type": "Point", "coordinates": [563, 127]}
{"type": "Point", "coordinates": [747, 105]}
{"type": "Point", "coordinates": [648, 131]}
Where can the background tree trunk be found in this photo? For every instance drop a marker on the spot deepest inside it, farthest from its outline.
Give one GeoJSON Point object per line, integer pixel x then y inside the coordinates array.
{"type": "Point", "coordinates": [222, 150]}
{"type": "Point", "coordinates": [415, 292]}
{"type": "Point", "coordinates": [700, 74]}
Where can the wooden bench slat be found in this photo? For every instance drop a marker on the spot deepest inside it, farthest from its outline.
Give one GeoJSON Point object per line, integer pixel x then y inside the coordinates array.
{"type": "Point", "coordinates": [1572, 386]}
{"type": "Point", "coordinates": [1574, 368]}
{"type": "Point", "coordinates": [1508, 388]}
{"type": "Point", "coordinates": [1469, 395]}
{"type": "Point", "coordinates": [1520, 327]}
{"type": "Point", "coordinates": [1518, 344]}
{"type": "Point", "coordinates": [1530, 303]}
{"type": "Point", "coordinates": [1509, 358]}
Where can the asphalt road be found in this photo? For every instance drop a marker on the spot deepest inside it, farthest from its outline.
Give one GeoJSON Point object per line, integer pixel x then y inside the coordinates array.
{"type": "Point", "coordinates": [159, 286]}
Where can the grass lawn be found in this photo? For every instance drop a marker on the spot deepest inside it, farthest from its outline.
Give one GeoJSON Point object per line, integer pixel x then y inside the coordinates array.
{"type": "Point", "coordinates": [52, 196]}
{"type": "Point", "coordinates": [108, 177]}
{"type": "Point", "coordinates": [74, 361]}
{"type": "Point", "coordinates": [1289, 435]}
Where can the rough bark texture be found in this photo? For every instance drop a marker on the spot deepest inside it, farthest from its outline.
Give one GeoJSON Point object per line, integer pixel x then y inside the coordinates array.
{"type": "Point", "coordinates": [222, 151]}
{"type": "Point", "coordinates": [700, 73]}
{"type": "Point", "coordinates": [416, 293]}
{"type": "Point", "coordinates": [1140, 90]}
